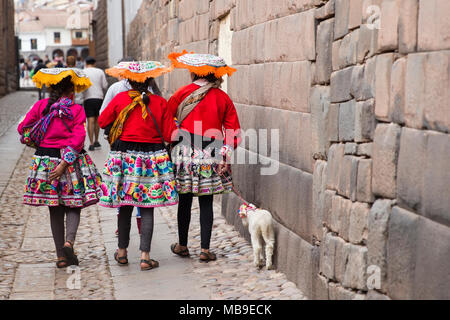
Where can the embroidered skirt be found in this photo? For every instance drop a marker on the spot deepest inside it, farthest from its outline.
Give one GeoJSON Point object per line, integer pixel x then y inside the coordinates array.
{"type": "Point", "coordinates": [78, 187]}
{"type": "Point", "coordinates": [196, 168]}
{"type": "Point", "coordinates": [139, 175]}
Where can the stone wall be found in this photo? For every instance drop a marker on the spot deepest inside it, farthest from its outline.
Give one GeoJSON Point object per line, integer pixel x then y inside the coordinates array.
{"type": "Point", "coordinates": [8, 49]}
{"type": "Point", "coordinates": [100, 30]}
{"type": "Point", "coordinates": [364, 118]}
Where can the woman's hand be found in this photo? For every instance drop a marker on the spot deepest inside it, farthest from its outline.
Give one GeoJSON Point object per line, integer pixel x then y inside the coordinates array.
{"type": "Point", "coordinates": [223, 168]}
{"type": "Point", "coordinates": [59, 171]}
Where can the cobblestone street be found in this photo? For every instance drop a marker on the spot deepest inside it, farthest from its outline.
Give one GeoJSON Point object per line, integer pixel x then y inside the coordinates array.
{"type": "Point", "coordinates": [28, 271]}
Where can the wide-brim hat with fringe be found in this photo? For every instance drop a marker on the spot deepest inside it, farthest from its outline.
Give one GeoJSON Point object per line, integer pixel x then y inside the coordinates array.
{"type": "Point", "coordinates": [49, 77]}
{"type": "Point", "coordinates": [201, 64]}
{"type": "Point", "coordinates": [138, 71]}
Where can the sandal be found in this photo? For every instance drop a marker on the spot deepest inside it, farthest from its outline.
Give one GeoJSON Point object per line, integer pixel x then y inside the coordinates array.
{"type": "Point", "coordinates": [123, 261]}
{"type": "Point", "coordinates": [207, 257]}
{"type": "Point", "coordinates": [72, 259]}
{"type": "Point", "coordinates": [62, 263]}
{"type": "Point", "coordinates": [183, 253]}
{"type": "Point", "coordinates": [152, 264]}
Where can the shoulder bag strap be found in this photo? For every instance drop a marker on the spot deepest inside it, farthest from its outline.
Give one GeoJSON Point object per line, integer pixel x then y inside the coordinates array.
{"type": "Point", "coordinates": [158, 129]}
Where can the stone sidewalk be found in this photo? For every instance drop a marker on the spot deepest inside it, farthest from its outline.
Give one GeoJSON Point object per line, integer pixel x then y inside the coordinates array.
{"type": "Point", "coordinates": [27, 269]}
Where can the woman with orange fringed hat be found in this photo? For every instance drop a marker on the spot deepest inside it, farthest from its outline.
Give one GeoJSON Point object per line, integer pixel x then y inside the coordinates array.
{"type": "Point", "coordinates": [138, 172]}
{"type": "Point", "coordinates": [208, 132]}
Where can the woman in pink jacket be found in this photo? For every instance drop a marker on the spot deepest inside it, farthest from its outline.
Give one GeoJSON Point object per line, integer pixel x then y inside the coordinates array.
{"type": "Point", "coordinates": [62, 176]}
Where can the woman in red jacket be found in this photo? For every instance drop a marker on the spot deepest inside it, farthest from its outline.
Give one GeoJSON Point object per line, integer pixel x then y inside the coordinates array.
{"type": "Point", "coordinates": [138, 172]}
{"type": "Point", "coordinates": [209, 131]}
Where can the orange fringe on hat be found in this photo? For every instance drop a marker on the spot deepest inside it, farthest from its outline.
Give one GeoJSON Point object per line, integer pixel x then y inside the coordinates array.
{"type": "Point", "coordinates": [138, 77]}
{"type": "Point", "coordinates": [202, 71]}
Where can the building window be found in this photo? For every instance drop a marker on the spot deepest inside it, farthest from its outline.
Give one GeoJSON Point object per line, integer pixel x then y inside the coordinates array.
{"type": "Point", "coordinates": [20, 44]}
{"type": "Point", "coordinates": [34, 45]}
{"type": "Point", "coordinates": [79, 34]}
{"type": "Point", "coordinates": [57, 36]}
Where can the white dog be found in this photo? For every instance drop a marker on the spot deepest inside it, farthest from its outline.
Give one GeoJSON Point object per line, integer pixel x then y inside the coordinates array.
{"type": "Point", "coordinates": [259, 224]}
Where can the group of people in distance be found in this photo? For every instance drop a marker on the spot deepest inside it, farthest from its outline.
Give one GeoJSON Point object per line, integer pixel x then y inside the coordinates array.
{"type": "Point", "coordinates": [163, 153]}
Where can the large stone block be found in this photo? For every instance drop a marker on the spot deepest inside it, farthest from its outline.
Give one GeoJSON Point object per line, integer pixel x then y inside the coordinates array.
{"type": "Point", "coordinates": [308, 257]}
{"type": "Point", "coordinates": [187, 9]}
{"type": "Point", "coordinates": [335, 160]}
{"type": "Point", "coordinates": [397, 92]}
{"type": "Point", "coordinates": [326, 11]}
{"type": "Point", "coordinates": [341, 82]}
{"type": "Point", "coordinates": [385, 156]}
{"type": "Point", "coordinates": [347, 112]}
{"type": "Point", "coordinates": [401, 253]}
{"type": "Point", "coordinates": [281, 253]}
{"type": "Point", "coordinates": [359, 220]}
{"type": "Point", "coordinates": [299, 75]}
{"type": "Point", "coordinates": [256, 90]}
{"type": "Point", "coordinates": [222, 8]}
{"type": "Point", "coordinates": [411, 164]}
{"type": "Point", "coordinates": [434, 25]}
{"type": "Point", "coordinates": [355, 269]}
{"type": "Point", "coordinates": [332, 123]}
{"type": "Point", "coordinates": [324, 44]}
{"type": "Point", "coordinates": [328, 256]}
{"type": "Point", "coordinates": [342, 8]}
{"type": "Point", "coordinates": [355, 14]}
{"type": "Point", "coordinates": [321, 292]}
{"type": "Point", "coordinates": [348, 178]}
{"type": "Point", "coordinates": [383, 86]}
{"type": "Point", "coordinates": [427, 91]}
{"type": "Point", "coordinates": [367, 43]}
{"type": "Point", "coordinates": [328, 207]}
{"type": "Point", "coordinates": [365, 121]}
{"type": "Point", "coordinates": [407, 26]}
{"type": "Point", "coordinates": [433, 254]}
{"type": "Point", "coordinates": [341, 259]}
{"type": "Point", "coordinates": [379, 216]}
{"type": "Point", "coordinates": [364, 183]}
{"type": "Point", "coordinates": [319, 187]}
{"type": "Point", "coordinates": [293, 209]}
{"type": "Point", "coordinates": [388, 33]}
{"type": "Point", "coordinates": [320, 108]}
{"type": "Point", "coordinates": [437, 178]}
{"type": "Point", "coordinates": [283, 36]}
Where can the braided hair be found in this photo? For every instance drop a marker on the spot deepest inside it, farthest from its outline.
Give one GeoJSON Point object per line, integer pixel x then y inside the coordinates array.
{"type": "Point", "coordinates": [63, 88]}
{"type": "Point", "coordinates": [143, 88]}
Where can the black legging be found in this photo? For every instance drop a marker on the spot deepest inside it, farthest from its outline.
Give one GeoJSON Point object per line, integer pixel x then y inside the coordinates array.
{"type": "Point", "coordinates": [206, 218]}
{"type": "Point", "coordinates": [57, 225]}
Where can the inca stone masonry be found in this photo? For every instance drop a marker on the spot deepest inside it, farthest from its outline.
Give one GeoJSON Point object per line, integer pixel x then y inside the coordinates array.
{"type": "Point", "coordinates": [360, 91]}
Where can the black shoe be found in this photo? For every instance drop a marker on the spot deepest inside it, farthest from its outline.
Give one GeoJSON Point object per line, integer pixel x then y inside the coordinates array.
{"type": "Point", "coordinates": [91, 148]}
{"type": "Point", "coordinates": [97, 145]}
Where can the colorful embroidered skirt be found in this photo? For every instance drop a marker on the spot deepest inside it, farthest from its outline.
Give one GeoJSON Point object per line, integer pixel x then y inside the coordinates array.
{"type": "Point", "coordinates": [78, 187]}
{"type": "Point", "coordinates": [139, 175]}
{"type": "Point", "coordinates": [196, 171]}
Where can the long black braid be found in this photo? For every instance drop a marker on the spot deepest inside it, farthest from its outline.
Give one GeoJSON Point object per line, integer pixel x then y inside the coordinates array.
{"type": "Point", "coordinates": [142, 87]}
{"type": "Point", "coordinates": [64, 88]}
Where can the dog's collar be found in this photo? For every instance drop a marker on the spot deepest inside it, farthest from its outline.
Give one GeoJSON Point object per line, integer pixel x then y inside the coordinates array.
{"type": "Point", "coordinates": [245, 209]}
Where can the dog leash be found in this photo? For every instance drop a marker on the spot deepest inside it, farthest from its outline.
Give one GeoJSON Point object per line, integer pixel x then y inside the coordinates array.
{"type": "Point", "coordinates": [234, 189]}
{"type": "Point", "coordinates": [223, 176]}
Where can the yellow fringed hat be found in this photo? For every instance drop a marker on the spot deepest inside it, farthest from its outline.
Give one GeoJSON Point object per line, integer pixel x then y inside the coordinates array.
{"type": "Point", "coordinates": [138, 71]}
{"type": "Point", "coordinates": [49, 77]}
{"type": "Point", "coordinates": [201, 64]}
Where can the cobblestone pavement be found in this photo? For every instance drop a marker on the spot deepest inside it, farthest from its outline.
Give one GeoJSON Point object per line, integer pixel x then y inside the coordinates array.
{"type": "Point", "coordinates": [233, 276]}
{"type": "Point", "coordinates": [14, 106]}
{"type": "Point", "coordinates": [27, 254]}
